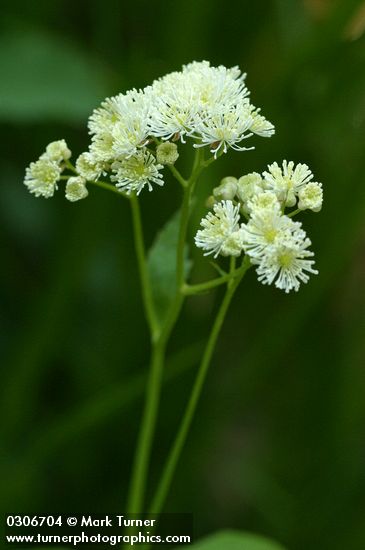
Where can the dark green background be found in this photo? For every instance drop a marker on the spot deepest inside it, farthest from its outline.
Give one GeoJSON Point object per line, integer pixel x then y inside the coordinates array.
{"type": "Point", "coordinates": [278, 443]}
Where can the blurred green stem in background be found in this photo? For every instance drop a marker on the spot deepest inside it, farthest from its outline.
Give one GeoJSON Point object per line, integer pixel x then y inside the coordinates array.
{"type": "Point", "coordinates": [101, 408]}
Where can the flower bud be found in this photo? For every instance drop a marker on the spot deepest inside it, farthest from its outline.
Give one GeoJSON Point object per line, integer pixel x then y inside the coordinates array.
{"type": "Point", "coordinates": [226, 190]}
{"type": "Point", "coordinates": [76, 189]}
{"type": "Point", "coordinates": [57, 151]}
{"type": "Point", "coordinates": [247, 187]}
{"type": "Point", "coordinates": [210, 202]}
{"type": "Point", "coordinates": [87, 167]}
{"type": "Point", "coordinates": [311, 197]}
{"type": "Point", "coordinates": [167, 153]}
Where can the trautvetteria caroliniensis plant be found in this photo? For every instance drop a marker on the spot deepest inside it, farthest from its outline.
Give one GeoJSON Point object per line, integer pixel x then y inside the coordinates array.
{"type": "Point", "coordinates": [135, 137]}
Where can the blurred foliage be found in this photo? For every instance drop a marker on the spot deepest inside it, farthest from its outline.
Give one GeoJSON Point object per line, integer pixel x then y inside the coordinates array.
{"type": "Point", "coordinates": [278, 443]}
{"type": "Point", "coordinates": [162, 266]}
{"type": "Point", "coordinates": [49, 66]}
{"type": "Point", "coordinates": [232, 540]}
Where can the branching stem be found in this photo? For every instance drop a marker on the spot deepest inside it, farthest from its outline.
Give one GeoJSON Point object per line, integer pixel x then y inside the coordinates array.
{"type": "Point", "coordinates": [160, 337]}
{"type": "Point", "coordinates": [160, 334]}
{"type": "Point", "coordinates": [182, 432]}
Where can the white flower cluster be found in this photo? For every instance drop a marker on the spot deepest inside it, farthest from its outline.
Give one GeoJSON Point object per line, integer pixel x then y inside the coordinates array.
{"type": "Point", "coordinates": [133, 173]}
{"type": "Point", "coordinates": [276, 244]}
{"type": "Point", "coordinates": [290, 183]}
{"type": "Point", "coordinates": [41, 177]}
{"type": "Point", "coordinates": [207, 104]}
{"type": "Point", "coordinates": [221, 233]}
{"type": "Point", "coordinates": [134, 136]}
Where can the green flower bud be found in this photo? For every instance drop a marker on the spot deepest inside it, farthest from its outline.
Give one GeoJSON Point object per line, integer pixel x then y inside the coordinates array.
{"type": "Point", "coordinates": [210, 202]}
{"type": "Point", "coordinates": [57, 151]}
{"type": "Point", "coordinates": [167, 153]}
{"type": "Point", "coordinates": [311, 197]}
{"type": "Point", "coordinates": [76, 189]}
{"type": "Point", "coordinates": [227, 189]}
{"type": "Point", "coordinates": [88, 167]}
{"type": "Point", "coordinates": [247, 187]}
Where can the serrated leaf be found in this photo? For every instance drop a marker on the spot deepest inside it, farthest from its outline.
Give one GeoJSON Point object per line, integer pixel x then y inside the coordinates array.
{"type": "Point", "coordinates": [235, 540]}
{"type": "Point", "coordinates": [162, 265]}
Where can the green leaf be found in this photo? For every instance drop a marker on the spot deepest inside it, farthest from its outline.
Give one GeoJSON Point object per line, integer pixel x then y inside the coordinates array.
{"type": "Point", "coordinates": [162, 265]}
{"type": "Point", "coordinates": [46, 77]}
{"type": "Point", "coordinates": [235, 540]}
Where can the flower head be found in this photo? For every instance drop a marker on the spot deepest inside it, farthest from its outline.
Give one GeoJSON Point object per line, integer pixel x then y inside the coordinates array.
{"type": "Point", "coordinates": [224, 129]}
{"type": "Point", "coordinates": [221, 231]}
{"type": "Point", "coordinates": [215, 87]}
{"type": "Point", "coordinates": [287, 181]}
{"type": "Point", "coordinates": [260, 126]}
{"type": "Point", "coordinates": [265, 226]}
{"type": "Point", "coordinates": [88, 167]}
{"type": "Point", "coordinates": [210, 104]}
{"type": "Point", "coordinates": [276, 244]}
{"type": "Point", "coordinates": [197, 92]}
{"type": "Point", "coordinates": [263, 201]}
{"type": "Point", "coordinates": [41, 177]}
{"type": "Point", "coordinates": [247, 187]}
{"type": "Point", "coordinates": [76, 189]}
{"type": "Point", "coordinates": [286, 262]}
{"type": "Point", "coordinates": [137, 171]}
{"type": "Point", "coordinates": [174, 108]}
{"type": "Point", "coordinates": [311, 197]}
{"type": "Point", "coordinates": [120, 126]}
{"type": "Point", "coordinates": [57, 151]}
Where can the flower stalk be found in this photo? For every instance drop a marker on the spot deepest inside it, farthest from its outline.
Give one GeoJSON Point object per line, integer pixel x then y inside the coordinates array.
{"type": "Point", "coordinates": [134, 138]}
{"type": "Point", "coordinates": [182, 432]}
{"type": "Point", "coordinates": [159, 338]}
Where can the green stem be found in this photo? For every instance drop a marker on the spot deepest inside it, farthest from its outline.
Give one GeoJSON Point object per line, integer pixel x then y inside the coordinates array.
{"type": "Point", "coordinates": [209, 161]}
{"type": "Point", "coordinates": [146, 433]}
{"type": "Point", "coordinates": [143, 270]}
{"type": "Point", "coordinates": [97, 410]}
{"type": "Point", "coordinates": [102, 184]}
{"type": "Point", "coordinates": [178, 300]}
{"type": "Point", "coordinates": [177, 175]}
{"type": "Point", "coordinates": [145, 437]}
{"type": "Point", "coordinates": [294, 213]}
{"type": "Point", "coordinates": [108, 187]}
{"type": "Point", "coordinates": [190, 290]}
{"type": "Point", "coordinates": [71, 167]}
{"type": "Point", "coordinates": [148, 424]}
{"type": "Point", "coordinates": [185, 210]}
{"type": "Point", "coordinates": [160, 337]}
{"type": "Point", "coordinates": [177, 447]}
